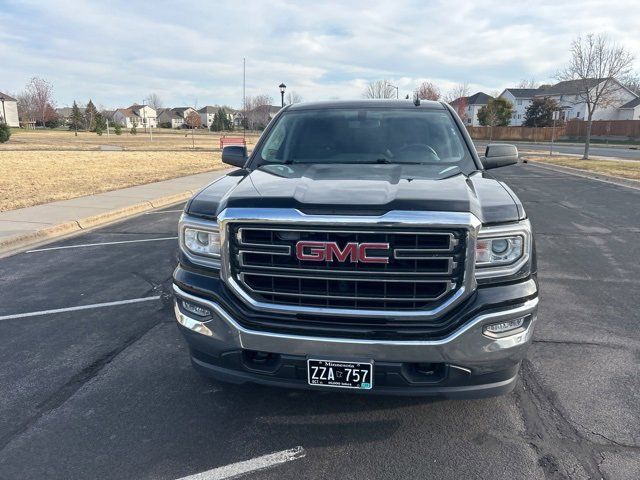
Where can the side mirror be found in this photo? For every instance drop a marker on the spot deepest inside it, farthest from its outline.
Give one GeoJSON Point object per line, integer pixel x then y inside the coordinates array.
{"type": "Point", "coordinates": [235, 155]}
{"type": "Point", "coordinates": [499, 155]}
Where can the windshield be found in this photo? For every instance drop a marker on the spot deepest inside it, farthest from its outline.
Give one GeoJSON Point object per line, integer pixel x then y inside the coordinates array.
{"type": "Point", "coordinates": [368, 135]}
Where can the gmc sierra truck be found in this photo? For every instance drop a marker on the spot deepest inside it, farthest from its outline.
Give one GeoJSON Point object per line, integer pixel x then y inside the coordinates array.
{"type": "Point", "coordinates": [362, 246]}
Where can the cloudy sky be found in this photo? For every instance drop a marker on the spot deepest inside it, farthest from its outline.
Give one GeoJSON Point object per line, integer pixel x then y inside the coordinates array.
{"type": "Point", "coordinates": [190, 53]}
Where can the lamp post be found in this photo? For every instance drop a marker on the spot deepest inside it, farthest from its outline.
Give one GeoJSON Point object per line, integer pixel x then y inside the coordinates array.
{"type": "Point", "coordinates": [282, 87]}
{"type": "Point", "coordinates": [393, 86]}
{"type": "Point", "coordinates": [4, 115]}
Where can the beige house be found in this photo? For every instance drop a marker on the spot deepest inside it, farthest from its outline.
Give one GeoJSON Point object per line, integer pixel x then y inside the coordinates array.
{"type": "Point", "coordinates": [9, 110]}
{"type": "Point", "coordinates": [174, 117]}
{"type": "Point", "coordinates": [140, 115]}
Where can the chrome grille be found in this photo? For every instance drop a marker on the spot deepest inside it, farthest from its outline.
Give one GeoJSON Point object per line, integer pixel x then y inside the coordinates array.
{"type": "Point", "coordinates": [424, 267]}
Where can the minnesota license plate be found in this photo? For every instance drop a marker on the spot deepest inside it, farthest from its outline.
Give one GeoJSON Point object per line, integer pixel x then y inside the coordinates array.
{"type": "Point", "coordinates": [331, 373]}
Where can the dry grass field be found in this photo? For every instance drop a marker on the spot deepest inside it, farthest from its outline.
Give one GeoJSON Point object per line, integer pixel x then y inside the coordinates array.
{"type": "Point", "coordinates": [39, 166]}
{"type": "Point", "coordinates": [617, 168]}
{"type": "Point", "coordinates": [163, 139]}
{"type": "Point", "coordinates": [33, 177]}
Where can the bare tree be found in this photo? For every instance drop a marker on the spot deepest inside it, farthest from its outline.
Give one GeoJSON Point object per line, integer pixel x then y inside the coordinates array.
{"type": "Point", "coordinates": [458, 91]}
{"type": "Point", "coordinates": [531, 83]}
{"type": "Point", "coordinates": [193, 120]}
{"type": "Point", "coordinates": [293, 97]}
{"type": "Point", "coordinates": [154, 101]}
{"type": "Point", "coordinates": [428, 91]}
{"type": "Point", "coordinates": [457, 98]}
{"type": "Point", "coordinates": [633, 83]}
{"type": "Point", "coordinates": [257, 111]}
{"type": "Point", "coordinates": [597, 64]}
{"type": "Point", "coordinates": [379, 89]}
{"type": "Point", "coordinates": [27, 110]}
{"type": "Point", "coordinates": [41, 93]}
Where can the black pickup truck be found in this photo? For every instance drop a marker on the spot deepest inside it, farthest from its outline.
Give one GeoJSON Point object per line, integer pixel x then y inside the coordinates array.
{"type": "Point", "coordinates": [361, 246]}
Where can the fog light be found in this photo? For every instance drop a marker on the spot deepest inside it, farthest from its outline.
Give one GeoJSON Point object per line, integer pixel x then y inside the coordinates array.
{"type": "Point", "coordinates": [196, 309]}
{"type": "Point", "coordinates": [503, 327]}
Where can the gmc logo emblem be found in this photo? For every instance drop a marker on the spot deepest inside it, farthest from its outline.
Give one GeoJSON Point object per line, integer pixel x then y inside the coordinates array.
{"type": "Point", "coordinates": [330, 251]}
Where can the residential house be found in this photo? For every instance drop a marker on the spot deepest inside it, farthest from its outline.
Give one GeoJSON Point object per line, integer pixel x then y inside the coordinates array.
{"type": "Point", "coordinates": [64, 115]}
{"type": "Point", "coordinates": [140, 115]}
{"type": "Point", "coordinates": [208, 113]}
{"type": "Point", "coordinates": [259, 117]}
{"type": "Point", "coordinates": [9, 110]}
{"type": "Point", "coordinates": [471, 106]}
{"type": "Point", "coordinates": [630, 110]}
{"type": "Point", "coordinates": [520, 98]}
{"type": "Point", "coordinates": [569, 95]}
{"type": "Point", "coordinates": [174, 117]}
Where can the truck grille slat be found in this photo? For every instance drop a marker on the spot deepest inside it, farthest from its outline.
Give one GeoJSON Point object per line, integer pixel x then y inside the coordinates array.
{"type": "Point", "coordinates": [424, 267]}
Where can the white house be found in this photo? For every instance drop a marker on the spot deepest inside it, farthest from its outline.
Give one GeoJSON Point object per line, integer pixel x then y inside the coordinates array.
{"type": "Point", "coordinates": [139, 115]}
{"type": "Point", "coordinates": [569, 95]}
{"type": "Point", "coordinates": [630, 110]}
{"type": "Point", "coordinates": [471, 106]}
{"type": "Point", "coordinates": [208, 113]}
{"type": "Point", "coordinates": [174, 117]}
{"type": "Point", "coordinates": [9, 110]}
{"type": "Point", "coordinates": [520, 98]}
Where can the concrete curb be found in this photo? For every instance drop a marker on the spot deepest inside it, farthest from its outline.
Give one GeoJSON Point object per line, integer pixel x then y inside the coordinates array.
{"type": "Point", "coordinates": [13, 244]}
{"type": "Point", "coordinates": [619, 181]}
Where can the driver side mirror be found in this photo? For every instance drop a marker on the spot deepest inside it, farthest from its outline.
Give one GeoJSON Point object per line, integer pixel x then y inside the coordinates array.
{"type": "Point", "coordinates": [235, 155]}
{"type": "Point", "coordinates": [499, 155]}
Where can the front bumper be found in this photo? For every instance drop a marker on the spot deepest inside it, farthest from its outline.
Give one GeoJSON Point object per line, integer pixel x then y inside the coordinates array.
{"type": "Point", "coordinates": [468, 363]}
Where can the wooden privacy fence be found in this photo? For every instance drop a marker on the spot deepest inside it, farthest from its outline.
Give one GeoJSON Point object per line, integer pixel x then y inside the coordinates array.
{"type": "Point", "coordinates": [528, 134]}
{"type": "Point", "coordinates": [629, 129]}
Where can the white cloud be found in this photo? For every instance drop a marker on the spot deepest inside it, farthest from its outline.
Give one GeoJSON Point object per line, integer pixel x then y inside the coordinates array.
{"type": "Point", "coordinates": [117, 52]}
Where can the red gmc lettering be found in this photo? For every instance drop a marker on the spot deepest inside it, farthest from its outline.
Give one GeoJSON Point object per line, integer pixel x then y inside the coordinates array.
{"type": "Point", "coordinates": [330, 251]}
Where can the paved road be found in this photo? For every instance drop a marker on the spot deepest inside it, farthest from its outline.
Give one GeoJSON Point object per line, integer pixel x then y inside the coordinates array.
{"type": "Point", "coordinates": [108, 392]}
{"type": "Point", "coordinates": [595, 150]}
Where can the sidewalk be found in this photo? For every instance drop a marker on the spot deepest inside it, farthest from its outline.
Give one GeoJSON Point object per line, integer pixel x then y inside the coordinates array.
{"type": "Point", "coordinates": [30, 226]}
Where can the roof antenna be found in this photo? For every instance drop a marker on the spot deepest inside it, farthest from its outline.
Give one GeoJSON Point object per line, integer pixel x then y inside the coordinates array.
{"type": "Point", "coordinates": [416, 99]}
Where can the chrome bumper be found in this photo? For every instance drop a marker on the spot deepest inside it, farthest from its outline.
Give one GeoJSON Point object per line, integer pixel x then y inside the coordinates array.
{"type": "Point", "coordinates": [467, 347]}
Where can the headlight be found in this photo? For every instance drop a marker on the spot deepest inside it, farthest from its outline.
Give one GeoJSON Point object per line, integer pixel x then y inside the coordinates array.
{"type": "Point", "coordinates": [202, 242]}
{"type": "Point", "coordinates": [498, 251]}
{"type": "Point", "coordinates": [503, 250]}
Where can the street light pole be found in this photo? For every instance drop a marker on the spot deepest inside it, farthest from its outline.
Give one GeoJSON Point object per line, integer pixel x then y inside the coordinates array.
{"type": "Point", "coordinates": [4, 114]}
{"type": "Point", "coordinates": [282, 88]}
{"type": "Point", "coordinates": [393, 86]}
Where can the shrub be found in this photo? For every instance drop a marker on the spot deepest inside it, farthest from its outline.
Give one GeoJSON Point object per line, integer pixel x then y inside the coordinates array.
{"type": "Point", "coordinates": [5, 132]}
{"type": "Point", "coordinates": [117, 129]}
{"type": "Point", "coordinates": [133, 130]}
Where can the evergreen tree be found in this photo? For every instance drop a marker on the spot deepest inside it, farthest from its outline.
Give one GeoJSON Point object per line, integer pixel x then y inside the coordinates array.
{"type": "Point", "coordinates": [117, 129]}
{"type": "Point", "coordinates": [101, 123]}
{"type": "Point", "coordinates": [76, 120]}
{"type": "Point", "coordinates": [540, 112]}
{"type": "Point", "coordinates": [5, 132]}
{"type": "Point", "coordinates": [496, 113]}
{"type": "Point", "coordinates": [224, 119]}
{"type": "Point", "coordinates": [215, 125]}
{"type": "Point", "coordinates": [134, 128]}
{"type": "Point", "coordinates": [90, 115]}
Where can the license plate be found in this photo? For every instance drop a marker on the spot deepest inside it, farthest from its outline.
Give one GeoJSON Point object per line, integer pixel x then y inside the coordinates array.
{"type": "Point", "coordinates": [330, 373]}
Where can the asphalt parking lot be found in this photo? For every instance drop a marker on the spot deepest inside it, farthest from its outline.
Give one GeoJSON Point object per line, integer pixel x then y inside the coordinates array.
{"type": "Point", "coordinates": [107, 391]}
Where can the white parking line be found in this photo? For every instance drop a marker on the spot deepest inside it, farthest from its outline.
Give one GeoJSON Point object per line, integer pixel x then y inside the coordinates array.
{"type": "Point", "coordinates": [101, 244]}
{"type": "Point", "coordinates": [241, 468]}
{"type": "Point", "coordinates": [80, 307]}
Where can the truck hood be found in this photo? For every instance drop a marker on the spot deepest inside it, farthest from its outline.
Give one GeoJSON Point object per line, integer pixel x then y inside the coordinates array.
{"type": "Point", "coordinates": [358, 190]}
